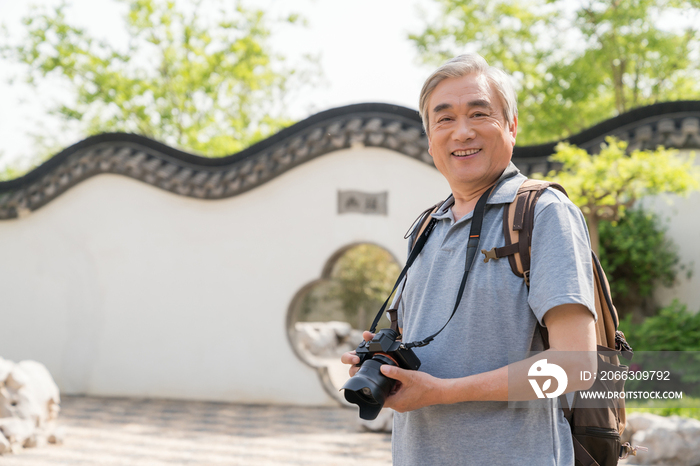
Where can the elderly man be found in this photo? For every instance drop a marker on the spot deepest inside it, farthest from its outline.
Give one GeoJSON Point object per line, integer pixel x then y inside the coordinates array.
{"type": "Point", "coordinates": [454, 410]}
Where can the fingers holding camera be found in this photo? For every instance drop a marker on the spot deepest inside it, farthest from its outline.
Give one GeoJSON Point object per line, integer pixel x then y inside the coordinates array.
{"type": "Point", "coordinates": [414, 389]}
{"type": "Point", "coordinates": [351, 356]}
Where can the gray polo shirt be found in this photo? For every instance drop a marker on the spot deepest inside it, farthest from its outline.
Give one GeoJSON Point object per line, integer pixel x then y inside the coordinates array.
{"type": "Point", "coordinates": [496, 318]}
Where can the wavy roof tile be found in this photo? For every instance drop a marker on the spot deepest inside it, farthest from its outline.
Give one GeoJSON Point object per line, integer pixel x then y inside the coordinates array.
{"type": "Point", "coordinates": [672, 124]}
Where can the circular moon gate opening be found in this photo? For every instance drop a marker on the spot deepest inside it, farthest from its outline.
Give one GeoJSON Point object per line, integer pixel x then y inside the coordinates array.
{"type": "Point", "coordinates": [327, 316]}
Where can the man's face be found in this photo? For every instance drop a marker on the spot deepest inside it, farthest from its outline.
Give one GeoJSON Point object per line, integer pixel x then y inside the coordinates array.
{"type": "Point", "coordinates": [470, 142]}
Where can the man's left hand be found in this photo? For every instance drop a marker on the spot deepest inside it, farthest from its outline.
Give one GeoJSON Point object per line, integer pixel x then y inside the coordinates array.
{"type": "Point", "coordinates": [413, 390]}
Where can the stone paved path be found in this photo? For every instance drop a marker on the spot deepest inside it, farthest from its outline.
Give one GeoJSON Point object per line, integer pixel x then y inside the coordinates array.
{"type": "Point", "coordinates": [106, 431]}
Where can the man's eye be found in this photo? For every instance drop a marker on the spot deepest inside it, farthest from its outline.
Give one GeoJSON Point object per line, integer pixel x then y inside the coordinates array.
{"type": "Point", "coordinates": [441, 119]}
{"type": "Point", "coordinates": [479, 114]}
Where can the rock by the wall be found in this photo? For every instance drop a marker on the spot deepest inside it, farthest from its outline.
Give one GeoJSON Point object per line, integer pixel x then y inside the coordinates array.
{"type": "Point", "coordinates": [29, 405]}
{"type": "Point", "coordinates": [327, 339]}
{"type": "Point", "coordinates": [672, 441]}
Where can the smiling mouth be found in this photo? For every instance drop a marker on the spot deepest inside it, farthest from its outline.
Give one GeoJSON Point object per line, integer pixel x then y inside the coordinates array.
{"type": "Point", "coordinates": [465, 153]}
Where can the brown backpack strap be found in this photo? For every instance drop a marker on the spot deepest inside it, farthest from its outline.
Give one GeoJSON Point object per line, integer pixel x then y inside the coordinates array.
{"type": "Point", "coordinates": [518, 222]}
{"type": "Point", "coordinates": [421, 223]}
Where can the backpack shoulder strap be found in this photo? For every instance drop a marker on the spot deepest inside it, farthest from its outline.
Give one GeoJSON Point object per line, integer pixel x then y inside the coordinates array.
{"type": "Point", "coordinates": [518, 222]}
{"type": "Point", "coordinates": [420, 223]}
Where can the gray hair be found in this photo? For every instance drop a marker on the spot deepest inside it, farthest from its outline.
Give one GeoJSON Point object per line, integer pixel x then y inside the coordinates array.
{"type": "Point", "coordinates": [464, 65]}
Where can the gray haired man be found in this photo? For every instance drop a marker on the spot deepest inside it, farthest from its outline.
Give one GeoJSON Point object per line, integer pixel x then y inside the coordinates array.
{"type": "Point", "coordinates": [454, 410]}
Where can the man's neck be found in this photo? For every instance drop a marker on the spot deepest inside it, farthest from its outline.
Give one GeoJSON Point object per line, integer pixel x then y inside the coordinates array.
{"type": "Point", "coordinates": [465, 200]}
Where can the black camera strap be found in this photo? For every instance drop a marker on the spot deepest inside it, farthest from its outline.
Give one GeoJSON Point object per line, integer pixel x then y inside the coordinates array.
{"type": "Point", "coordinates": [412, 257]}
{"type": "Point", "coordinates": [472, 248]}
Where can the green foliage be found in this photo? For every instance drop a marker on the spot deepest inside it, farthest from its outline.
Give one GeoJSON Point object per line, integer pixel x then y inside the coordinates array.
{"type": "Point", "coordinates": [668, 341]}
{"type": "Point", "coordinates": [686, 407]}
{"type": "Point", "coordinates": [604, 185]}
{"type": "Point", "coordinates": [360, 281]}
{"type": "Point", "coordinates": [318, 305]}
{"type": "Point", "coordinates": [364, 277]}
{"type": "Point", "coordinates": [672, 329]}
{"type": "Point", "coordinates": [575, 64]}
{"type": "Point", "coordinates": [10, 172]}
{"type": "Point", "coordinates": [636, 256]}
{"type": "Point", "coordinates": [200, 79]}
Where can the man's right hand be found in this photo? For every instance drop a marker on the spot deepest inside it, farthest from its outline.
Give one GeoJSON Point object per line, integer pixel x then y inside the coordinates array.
{"type": "Point", "coordinates": [351, 357]}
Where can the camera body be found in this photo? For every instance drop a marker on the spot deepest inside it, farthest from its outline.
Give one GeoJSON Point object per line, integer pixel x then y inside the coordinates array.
{"type": "Point", "coordinates": [384, 341]}
{"type": "Point", "coordinates": [369, 388]}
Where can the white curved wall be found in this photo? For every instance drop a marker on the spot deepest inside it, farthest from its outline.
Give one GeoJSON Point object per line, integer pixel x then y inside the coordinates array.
{"type": "Point", "coordinates": [681, 215]}
{"type": "Point", "coordinates": [123, 289]}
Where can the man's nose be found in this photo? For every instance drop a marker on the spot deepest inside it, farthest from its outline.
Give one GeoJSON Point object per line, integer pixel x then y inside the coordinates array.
{"type": "Point", "coordinates": [463, 130]}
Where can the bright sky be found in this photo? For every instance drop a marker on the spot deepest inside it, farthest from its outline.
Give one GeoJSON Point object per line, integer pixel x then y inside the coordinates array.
{"type": "Point", "coordinates": [364, 53]}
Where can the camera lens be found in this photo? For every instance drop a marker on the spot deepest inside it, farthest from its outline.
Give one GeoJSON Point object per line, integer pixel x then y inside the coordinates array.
{"type": "Point", "coordinates": [369, 388]}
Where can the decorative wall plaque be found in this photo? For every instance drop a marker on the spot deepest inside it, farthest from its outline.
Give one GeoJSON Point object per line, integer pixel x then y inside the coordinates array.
{"type": "Point", "coordinates": [362, 203]}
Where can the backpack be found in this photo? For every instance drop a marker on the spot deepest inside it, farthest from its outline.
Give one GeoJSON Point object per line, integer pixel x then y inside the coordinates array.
{"type": "Point", "coordinates": [595, 431]}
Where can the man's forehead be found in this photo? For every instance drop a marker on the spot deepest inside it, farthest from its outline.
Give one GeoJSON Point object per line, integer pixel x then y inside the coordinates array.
{"type": "Point", "coordinates": [472, 90]}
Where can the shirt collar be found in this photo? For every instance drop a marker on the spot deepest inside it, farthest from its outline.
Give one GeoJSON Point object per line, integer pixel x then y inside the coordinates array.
{"type": "Point", "coordinates": [504, 193]}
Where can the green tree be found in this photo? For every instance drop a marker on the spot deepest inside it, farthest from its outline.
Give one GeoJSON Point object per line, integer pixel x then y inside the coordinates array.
{"type": "Point", "coordinates": [575, 63]}
{"type": "Point", "coordinates": [603, 186]}
{"type": "Point", "coordinates": [674, 328]}
{"type": "Point", "coordinates": [363, 278]}
{"type": "Point", "coordinates": [637, 255]}
{"type": "Point", "coordinates": [359, 282]}
{"type": "Point", "coordinates": [10, 171]}
{"type": "Point", "coordinates": [667, 341]}
{"type": "Point", "coordinates": [202, 79]}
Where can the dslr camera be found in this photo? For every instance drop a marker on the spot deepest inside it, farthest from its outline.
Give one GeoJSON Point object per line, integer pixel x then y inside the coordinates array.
{"type": "Point", "coordinates": [369, 388]}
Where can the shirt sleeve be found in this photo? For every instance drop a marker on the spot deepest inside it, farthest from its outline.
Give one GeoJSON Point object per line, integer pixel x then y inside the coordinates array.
{"type": "Point", "coordinates": [561, 270]}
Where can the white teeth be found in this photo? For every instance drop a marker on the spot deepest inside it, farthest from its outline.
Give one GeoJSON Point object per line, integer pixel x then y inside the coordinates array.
{"type": "Point", "coordinates": [463, 153]}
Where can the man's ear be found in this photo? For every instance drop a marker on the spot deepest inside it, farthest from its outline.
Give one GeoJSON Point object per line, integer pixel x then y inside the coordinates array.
{"type": "Point", "coordinates": [430, 147]}
{"type": "Point", "coordinates": [513, 129]}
